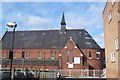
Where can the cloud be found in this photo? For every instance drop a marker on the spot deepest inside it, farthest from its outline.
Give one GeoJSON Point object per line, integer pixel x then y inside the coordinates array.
{"type": "Point", "coordinates": [100, 39]}
{"type": "Point", "coordinates": [36, 22]}
{"type": "Point", "coordinates": [89, 18]}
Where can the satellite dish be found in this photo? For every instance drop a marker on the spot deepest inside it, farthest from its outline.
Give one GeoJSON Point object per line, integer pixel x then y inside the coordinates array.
{"type": "Point", "coordinates": [11, 25]}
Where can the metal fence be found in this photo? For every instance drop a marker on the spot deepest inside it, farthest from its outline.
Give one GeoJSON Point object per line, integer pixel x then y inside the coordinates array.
{"type": "Point", "coordinates": [63, 73]}
{"type": "Point", "coordinates": [83, 73]}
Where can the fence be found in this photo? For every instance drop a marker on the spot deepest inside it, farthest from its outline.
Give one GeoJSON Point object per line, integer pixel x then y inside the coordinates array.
{"type": "Point", "coordinates": [82, 73]}
{"type": "Point", "coordinates": [63, 73]}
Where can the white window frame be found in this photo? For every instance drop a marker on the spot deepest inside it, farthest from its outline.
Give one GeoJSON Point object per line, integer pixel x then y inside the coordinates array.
{"type": "Point", "coordinates": [3, 54]}
{"type": "Point", "coordinates": [52, 55]}
{"type": "Point", "coordinates": [89, 54]}
{"type": "Point", "coordinates": [118, 15]}
{"type": "Point", "coordinates": [39, 55]}
{"type": "Point", "coordinates": [14, 54]}
{"type": "Point", "coordinates": [27, 54]}
{"type": "Point", "coordinates": [110, 16]}
{"type": "Point", "coordinates": [68, 56]}
{"type": "Point", "coordinates": [106, 60]}
{"type": "Point", "coordinates": [117, 46]}
{"type": "Point", "coordinates": [113, 56]}
{"type": "Point", "coordinates": [113, 2]}
{"type": "Point", "coordinates": [97, 53]}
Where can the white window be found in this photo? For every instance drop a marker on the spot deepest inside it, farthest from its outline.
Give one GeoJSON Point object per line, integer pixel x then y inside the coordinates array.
{"type": "Point", "coordinates": [97, 55]}
{"type": "Point", "coordinates": [3, 55]}
{"type": "Point", "coordinates": [68, 55]}
{"type": "Point", "coordinates": [52, 55]}
{"type": "Point", "coordinates": [89, 54]}
{"type": "Point", "coordinates": [117, 46]}
{"type": "Point", "coordinates": [113, 1]}
{"type": "Point", "coordinates": [14, 54]}
{"type": "Point", "coordinates": [113, 56]}
{"type": "Point", "coordinates": [65, 46]}
{"type": "Point", "coordinates": [106, 60]}
{"type": "Point", "coordinates": [39, 55]}
{"type": "Point", "coordinates": [110, 16]}
{"type": "Point", "coordinates": [118, 15]}
{"type": "Point", "coordinates": [27, 55]}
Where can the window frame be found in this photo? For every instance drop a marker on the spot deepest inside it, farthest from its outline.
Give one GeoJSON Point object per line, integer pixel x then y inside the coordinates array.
{"type": "Point", "coordinates": [14, 54]}
{"type": "Point", "coordinates": [113, 2]}
{"type": "Point", "coordinates": [109, 16]}
{"type": "Point", "coordinates": [27, 54]}
{"type": "Point", "coordinates": [117, 46]}
{"type": "Point", "coordinates": [68, 56]}
{"type": "Point", "coordinates": [89, 54]}
{"type": "Point", "coordinates": [52, 55]}
{"type": "Point", "coordinates": [39, 55]}
{"type": "Point", "coordinates": [113, 56]}
{"type": "Point", "coordinates": [98, 55]}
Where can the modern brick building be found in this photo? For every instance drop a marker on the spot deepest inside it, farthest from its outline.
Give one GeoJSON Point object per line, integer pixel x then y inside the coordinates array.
{"type": "Point", "coordinates": [53, 49]}
{"type": "Point", "coordinates": [111, 15]}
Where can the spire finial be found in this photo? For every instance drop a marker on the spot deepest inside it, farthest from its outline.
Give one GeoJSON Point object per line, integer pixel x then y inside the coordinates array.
{"type": "Point", "coordinates": [63, 20]}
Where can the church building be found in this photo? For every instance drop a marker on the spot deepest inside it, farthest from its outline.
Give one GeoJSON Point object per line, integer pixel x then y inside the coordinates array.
{"type": "Point", "coordinates": [52, 49]}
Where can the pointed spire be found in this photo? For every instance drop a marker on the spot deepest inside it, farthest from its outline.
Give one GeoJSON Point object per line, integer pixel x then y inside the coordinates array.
{"type": "Point", "coordinates": [63, 20]}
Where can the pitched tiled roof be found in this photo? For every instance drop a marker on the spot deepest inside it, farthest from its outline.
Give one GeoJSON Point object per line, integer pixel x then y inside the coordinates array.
{"type": "Point", "coordinates": [37, 62]}
{"type": "Point", "coordinates": [48, 39]}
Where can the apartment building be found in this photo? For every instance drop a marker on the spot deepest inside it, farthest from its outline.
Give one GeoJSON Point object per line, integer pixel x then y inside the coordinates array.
{"type": "Point", "coordinates": [111, 15]}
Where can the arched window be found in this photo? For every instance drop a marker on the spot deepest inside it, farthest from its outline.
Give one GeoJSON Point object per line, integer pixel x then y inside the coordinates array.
{"type": "Point", "coordinates": [52, 54]}
{"type": "Point", "coordinates": [89, 54]}
{"type": "Point", "coordinates": [39, 55]}
{"type": "Point", "coordinates": [68, 55]}
{"type": "Point", "coordinates": [27, 54]}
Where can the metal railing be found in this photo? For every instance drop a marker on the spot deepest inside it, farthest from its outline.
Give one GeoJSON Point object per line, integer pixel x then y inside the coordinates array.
{"type": "Point", "coordinates": [76, 73]}
{"type": "Point", "coordinates": [54, 73]}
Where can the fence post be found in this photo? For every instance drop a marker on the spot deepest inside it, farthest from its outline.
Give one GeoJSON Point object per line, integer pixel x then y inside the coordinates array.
{"type": "Point", "coordinates": [93, 73]}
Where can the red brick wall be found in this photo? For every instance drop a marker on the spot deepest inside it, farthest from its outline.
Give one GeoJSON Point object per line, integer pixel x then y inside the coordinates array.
{"type": "Point", "coordinates": [46, 53]}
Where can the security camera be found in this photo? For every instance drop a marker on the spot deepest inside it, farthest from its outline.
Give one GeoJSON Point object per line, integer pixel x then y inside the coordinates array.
{"type": "Point", "coordinates": [11, 25]}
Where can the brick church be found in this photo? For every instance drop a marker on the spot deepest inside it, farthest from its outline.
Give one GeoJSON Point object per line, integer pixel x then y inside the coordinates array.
{"type": "Point", "coordinates": [52, 49]}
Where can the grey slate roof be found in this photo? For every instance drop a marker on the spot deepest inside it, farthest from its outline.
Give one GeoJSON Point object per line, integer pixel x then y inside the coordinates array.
{"type": "Point", "coordinates": [48, 39]}
{"type": "Point", "coordinates": [37, 62]}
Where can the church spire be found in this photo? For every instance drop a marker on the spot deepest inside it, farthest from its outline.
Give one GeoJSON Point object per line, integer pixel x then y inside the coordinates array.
{"type": "Point", "coordinates": [63, 20]}
{"type": "Point", "coordinates": [63, 24]}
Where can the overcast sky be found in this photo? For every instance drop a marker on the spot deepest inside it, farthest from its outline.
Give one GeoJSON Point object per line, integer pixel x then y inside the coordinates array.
{"type": "Point", "coordinates": [45, 15]}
